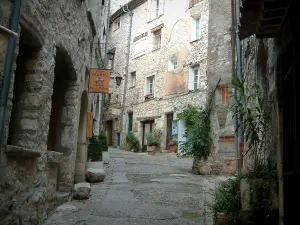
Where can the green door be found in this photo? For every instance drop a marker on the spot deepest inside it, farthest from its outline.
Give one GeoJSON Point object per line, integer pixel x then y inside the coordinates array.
{"type": "Point", "coordinates": [130, 117]}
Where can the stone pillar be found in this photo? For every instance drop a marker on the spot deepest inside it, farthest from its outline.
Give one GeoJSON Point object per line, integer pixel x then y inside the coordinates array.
{"type": "Point", "coordinates": [81, 157]}
{"type": "Point", "coordinates": [66, 143]}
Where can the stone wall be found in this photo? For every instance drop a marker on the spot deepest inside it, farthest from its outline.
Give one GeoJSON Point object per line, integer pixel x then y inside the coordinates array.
{"type": "Point", "coordinates": [171, 87]}
{"type": "Point", "coordinates": [58, 39]}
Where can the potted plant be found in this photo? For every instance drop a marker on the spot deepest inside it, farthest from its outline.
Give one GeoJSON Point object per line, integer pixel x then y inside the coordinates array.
{"type": "Point", "coordinates": [153, 141]}
{"type": "Point", "coordinates": [133, 142]}
{"type": "Point", "coordinates": [227, 202]}
{"type": "Point", "coordinates": [173, 146]}
{"type": "Point", "coordinates": [149, 96]}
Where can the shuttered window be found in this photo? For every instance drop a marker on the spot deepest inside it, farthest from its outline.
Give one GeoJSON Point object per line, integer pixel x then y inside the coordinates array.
{"type": "Point", "coordinates": [224, 93]}
{"type": "Point", "coordinates": [139, 48]}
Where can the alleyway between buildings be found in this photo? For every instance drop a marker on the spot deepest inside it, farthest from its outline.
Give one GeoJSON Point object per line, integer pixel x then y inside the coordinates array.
{"type": "Point", "coordinates": [142, 189]}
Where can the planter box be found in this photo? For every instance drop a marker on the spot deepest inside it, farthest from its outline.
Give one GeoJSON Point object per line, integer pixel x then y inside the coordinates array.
{"type": "Point", "coordinates": [151, 150]}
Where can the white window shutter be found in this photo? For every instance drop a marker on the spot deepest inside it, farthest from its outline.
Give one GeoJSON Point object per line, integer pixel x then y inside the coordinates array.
{"type": "Point", "coordinates": [153, 9]}
{"type": "Point", "coordinates": [193, 30]}
{"type": "Point", "coordinates": [191, 79]}
{"type": "Point", "coordinates": [161, 7]}
{"type": "Point", "coordinates": [149, 11]}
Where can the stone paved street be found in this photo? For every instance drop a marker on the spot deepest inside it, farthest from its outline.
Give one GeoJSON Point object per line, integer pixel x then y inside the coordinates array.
{"type": "Point", "coordinates": [143, 189]}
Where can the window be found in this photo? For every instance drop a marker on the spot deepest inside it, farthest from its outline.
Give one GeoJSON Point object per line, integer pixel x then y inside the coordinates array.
{"type": "Point", "coordinates": [139, 48]}
{"type": "Point", "coordinates": [111, 62]}
{"type": "Point", "coordinates": [133, 79]}
{"type": "Point", "coordinates": [117, 24]}
{"type": "Point", "coordinates": [172, 64]}
{"type": "Point", "coordinates": [155, 9]}
{"type": "Point", "coordinates": [194, 2]}
{"type": "Point", "coordinates": [149, 92]}
{"type": "Point", "coordinates": [103, 2]}
{"type": "Point", "coordinates": [130, 121]}
{"type": "Point", "coordinates": [150, 85]}
{"type": "Point", "coordinates": [195, 30]}
{"type": "Point", "coordinates": [194, 75]}
{"type": "Point", "coordinates": [224, 95]}
{"type": "Point", "coordinates": [157, 39]}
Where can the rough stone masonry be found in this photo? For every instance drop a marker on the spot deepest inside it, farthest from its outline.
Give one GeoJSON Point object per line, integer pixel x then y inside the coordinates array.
{"type": "Point", "coordinates": [45, 132]}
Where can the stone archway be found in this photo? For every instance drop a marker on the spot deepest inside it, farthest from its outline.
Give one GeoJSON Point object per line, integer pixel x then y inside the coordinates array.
{"type": "Point", "coordinates": [81, 156]}
{"type": "Point", "coordinates": [62, 125]}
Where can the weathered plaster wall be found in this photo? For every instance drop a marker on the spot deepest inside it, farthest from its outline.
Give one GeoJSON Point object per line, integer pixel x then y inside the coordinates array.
{"type": "Point", "coordinates": [219, 65]}
{"type": "Point", "coordinates": [28, 185]}
{"type": "Point", "coordinates": [171, 88]}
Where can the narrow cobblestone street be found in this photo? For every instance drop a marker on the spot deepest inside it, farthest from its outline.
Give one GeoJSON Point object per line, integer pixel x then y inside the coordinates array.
{"type": "Point", "coordinates": [142, 189]}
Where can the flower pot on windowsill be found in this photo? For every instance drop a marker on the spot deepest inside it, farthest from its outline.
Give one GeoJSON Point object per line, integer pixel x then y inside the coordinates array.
{"type": "Point", "coordinates": [148, 96]}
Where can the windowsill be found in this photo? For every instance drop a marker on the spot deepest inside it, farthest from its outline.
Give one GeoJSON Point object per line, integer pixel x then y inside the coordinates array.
{"type": "Point", "coordinates": [194, 41]}
{"type": "Point", "coordinates": [150, 21]}
{"type": "Point", "coordinates": [138, 56]}
{"type": "Point", "coordinates": [22, 152]}
{"type": "Point", "coordinates": [156, 49]}
{"type": "Point", "coordinates": [148, 99]}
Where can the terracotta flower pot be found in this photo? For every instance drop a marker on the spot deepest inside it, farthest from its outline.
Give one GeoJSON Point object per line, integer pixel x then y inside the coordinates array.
{"type": "Point", "coordinates": [173, 148]}
{"type": "Point", "coordinates": [222, 218]}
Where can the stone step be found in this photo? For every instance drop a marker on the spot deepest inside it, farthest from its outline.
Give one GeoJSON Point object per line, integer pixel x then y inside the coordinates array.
{"type": "Point", "coordinates": [62, 197]}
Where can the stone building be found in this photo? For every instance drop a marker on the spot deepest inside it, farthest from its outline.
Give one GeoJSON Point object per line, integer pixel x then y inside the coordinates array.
{"type": "Point", "coordinates": [177, 50]}
{"type": "Point", "coordinates": [270, 55]}
{"type": "Point", "coordinates": [44, 140]}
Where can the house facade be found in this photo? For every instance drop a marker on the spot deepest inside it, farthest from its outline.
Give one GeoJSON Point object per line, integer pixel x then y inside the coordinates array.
{"type": "Point", "coordinates": [177, 51]}
{"type": "Point", "coordinates": [166, 66]}
{"type": "Point", "coordinates": [46, 111]}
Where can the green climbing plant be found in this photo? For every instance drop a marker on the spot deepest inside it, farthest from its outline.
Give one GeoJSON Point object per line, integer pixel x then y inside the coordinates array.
{"type": "Point", "coordinates": [198, 130]}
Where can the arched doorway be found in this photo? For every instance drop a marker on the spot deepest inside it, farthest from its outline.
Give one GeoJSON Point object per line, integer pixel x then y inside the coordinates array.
{"type": "Point", "coordinates": [62, 125]}
{"type": "Point", "coordinates": [81, 156]}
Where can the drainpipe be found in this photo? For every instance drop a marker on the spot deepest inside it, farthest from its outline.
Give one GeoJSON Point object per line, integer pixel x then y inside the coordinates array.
{"type": "Point", "coordinates": [240, 75]}
{"type": "Point", "coordinates": [9, 60]}
{"type": "Point", "coordinates": [127, 68]}
{"type": "Point", "coordinates": [233, 41]}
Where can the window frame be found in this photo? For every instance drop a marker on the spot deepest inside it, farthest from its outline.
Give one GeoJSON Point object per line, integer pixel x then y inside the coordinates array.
{"type": "Point", "coordinates": [173, 64]}
{"type": "Point", "coordinates": [136, 55]}
{"type": "Point", "coordinates": [132, 75]}
{"type": "Point", "coordinates": [191, 77]}
{"type": "Point", "coordinates": [156, 36]}
{"type": "Point", "coordinates": [147, 86]}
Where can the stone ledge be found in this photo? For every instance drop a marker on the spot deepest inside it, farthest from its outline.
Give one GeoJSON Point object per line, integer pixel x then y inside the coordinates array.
{"type": "Point", "coordinates": [22, 152]}
{"type": "Point", "coordinates": [54, 157]}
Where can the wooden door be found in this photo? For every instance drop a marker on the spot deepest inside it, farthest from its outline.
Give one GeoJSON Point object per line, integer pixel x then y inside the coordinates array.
{"type": "Point", "coordinates": [147, 128]}
{"type": "Point", "coordinates": [169, 129]}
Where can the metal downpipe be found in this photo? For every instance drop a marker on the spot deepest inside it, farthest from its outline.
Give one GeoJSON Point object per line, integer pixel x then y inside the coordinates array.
{"type": "Point", "coordinates": [9, 60]}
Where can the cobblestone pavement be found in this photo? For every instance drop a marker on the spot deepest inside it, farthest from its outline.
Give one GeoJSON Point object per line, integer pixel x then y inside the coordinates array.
{"type": "Point", "coordinates": [142, 189]}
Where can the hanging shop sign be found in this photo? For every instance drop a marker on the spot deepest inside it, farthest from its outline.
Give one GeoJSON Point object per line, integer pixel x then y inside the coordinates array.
{"type": "Point", "coordinates": [99, 81]}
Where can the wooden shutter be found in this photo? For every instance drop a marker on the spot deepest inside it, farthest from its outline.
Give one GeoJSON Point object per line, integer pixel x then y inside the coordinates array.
{"type": "Point", "coordinates": [89, 129]}
{"type": "Point", "coordinates": [224, 95]}
{"type": "Point", "coordinates": [191, 79]}
{"type": "Point", "coordinates": [153, 9]}
{"type": "Point", "coordinates": [130, 117]}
